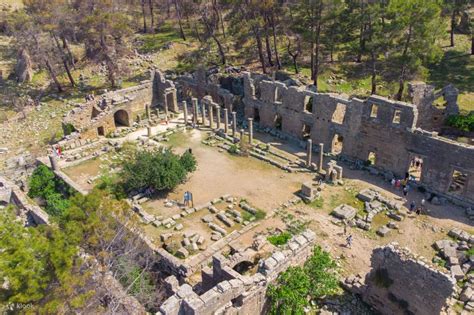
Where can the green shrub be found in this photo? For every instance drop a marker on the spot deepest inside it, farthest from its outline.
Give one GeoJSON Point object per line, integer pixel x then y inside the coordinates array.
{"type": "Point", "coordinates": [280, 239]}
{"type": "Point", "coordinates": [68, 129]}
{"type": "Point", "coordinates": [461, 122]}
{"type": "Point", "coordinates": [44, 184]}
{"type": "Point", "coordinates": [296, 286]}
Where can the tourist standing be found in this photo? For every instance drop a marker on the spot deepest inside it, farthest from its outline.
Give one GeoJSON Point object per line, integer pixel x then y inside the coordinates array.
{"type": "Point", "coordinates": [349, 241]}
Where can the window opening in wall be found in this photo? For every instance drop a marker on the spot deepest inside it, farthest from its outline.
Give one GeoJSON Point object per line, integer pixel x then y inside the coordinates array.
{"type": "Point", "coordinates": [277, 122]}
{"type": "Point", "coordinates": [101, 131]}
{"type": "Point", "coordinates": [256, 115]}
{"type": "Point", "coordinates": [308, 103]}
{"type": "Point", "coordinates": [371, 159]}
{"type": "Point", "coordinates": [458, 182]}
{"type": "Point", "coordinates": [339, 114]}
{"type": "Point", "coordinates": [306, 132]}
{"type": "Point", "coordinates": [373, 111]}
{"type": "Point", "coordinates": [396, 116]}
{"type": "Point", "coordinates": [415, 169]}
{"type": "Point", "coordinates": [337, 144]}
{"type": "Point", "coordinates": [278, 95]}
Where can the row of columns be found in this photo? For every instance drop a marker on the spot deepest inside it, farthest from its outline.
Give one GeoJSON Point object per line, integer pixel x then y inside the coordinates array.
{"type": "Point", "coordinates": [208, 115]}
{"type": "Point", "coordinates": [211, 106]}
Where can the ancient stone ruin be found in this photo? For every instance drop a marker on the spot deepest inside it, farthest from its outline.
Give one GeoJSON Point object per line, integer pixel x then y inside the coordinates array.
{"type": "Point", "coordinates": [400, 283]}
{"type": "Point", "coordinates": [387, 135]}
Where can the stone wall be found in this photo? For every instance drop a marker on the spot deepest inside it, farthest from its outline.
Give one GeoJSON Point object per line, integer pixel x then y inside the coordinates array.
{"type": "Point", "coordinates": [384, 127]}
{"type": "Point", "coordinates": [121, 107]}
{"type": "Point", "coordinates": [197, 86]}
{"type": "Point", "coordinates": [30, 212]}
{"type": "Point", "coordinates": [229, 292]}
{"type": "Point", "coordinates": [400, 283]}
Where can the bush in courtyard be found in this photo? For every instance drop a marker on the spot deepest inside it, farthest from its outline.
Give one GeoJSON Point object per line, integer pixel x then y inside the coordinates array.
{"type": "Point", "coordinates": [159, 170]}
{"type": "Point", "coordinates": [297, 286]}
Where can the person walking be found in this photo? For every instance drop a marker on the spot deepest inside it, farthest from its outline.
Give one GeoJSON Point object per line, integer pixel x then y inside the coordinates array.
{"type": "Point", "coordinates": [349, 241]}
{"type": "Point", "coordinates": [412, 206]}
{"type": "Point", "coordinates": [405, 191]}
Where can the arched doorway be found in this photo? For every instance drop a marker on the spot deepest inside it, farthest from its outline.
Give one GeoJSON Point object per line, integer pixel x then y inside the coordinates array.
{"type": "Point", "coordinates": [121, 118]}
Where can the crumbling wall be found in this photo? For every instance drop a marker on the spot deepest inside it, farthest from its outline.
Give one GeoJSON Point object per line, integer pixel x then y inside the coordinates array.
{"type": "Point", "coordinates": [424, 96]}
{"type": "Point", "coordinates": [354, 128]}
{"type": "Point", "coordinates": [12, 194]}
{"type": "Point", "coordinates": [99, 113]}
{"type": "Point", "coordinates": [198, 86]}
{"type": "Point", "coordinates": [233, 292]}
{"type": "Point", "coordinates": [399, 283]}
{"type": "Point", "coordinates": [164, 92]}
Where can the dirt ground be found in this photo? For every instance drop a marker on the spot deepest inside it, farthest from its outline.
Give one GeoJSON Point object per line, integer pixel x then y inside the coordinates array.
{"type": "Point", "coordinates": [267, 187]}
{"type": "Point", "coordinates": [219, 173]}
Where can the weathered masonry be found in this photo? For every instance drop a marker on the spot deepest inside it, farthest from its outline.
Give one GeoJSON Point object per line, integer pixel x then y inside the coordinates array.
{"type": "Point", "coordinates": [386, 131]}
{"type": "Point", "coordinates": [388, 135]}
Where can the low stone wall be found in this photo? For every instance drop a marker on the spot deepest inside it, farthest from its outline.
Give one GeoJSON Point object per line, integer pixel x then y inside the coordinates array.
{"type": "Point", "coordinates": [401, 283]}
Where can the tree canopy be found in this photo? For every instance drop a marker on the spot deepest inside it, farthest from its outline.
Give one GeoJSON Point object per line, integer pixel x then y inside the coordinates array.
{"type": "Point", "coordinates": [159, 170]}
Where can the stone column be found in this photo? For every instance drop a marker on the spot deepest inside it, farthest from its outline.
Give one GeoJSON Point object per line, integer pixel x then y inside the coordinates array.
{"type": "Point", "coordinates": [147, 110]}
{"type": "Point", "coordinates": [195, 110]}
{"type": "Point", "coordinates": [148, 129]}
{"type": "Point", "coordinates": [234, 124]}
{"type": "Point", "coordinates": [157, 112]}
{"type": "Point", "coordinates": [242, 132]}
{"type": "Point", "coordinates": [218, 117]}
{"type": "Point", "coordinates": [54, 162]}
{"type": "Point", "coordinates": [321, 159]}
{"type": "Point", "coordinates": [250, 120]}
{"type": "Point", "coordinates": [211, 116]}
{"type": "Point", "coordinates": [185, 109]}
{"type": "Point", "coordinates": [226, 121]}
{"type": "Point", "coordinates": [309, 152]}
{"type": "Point", "coordinates": [166, 108]}
{"type": "Point", "coordinates": [203, 113]}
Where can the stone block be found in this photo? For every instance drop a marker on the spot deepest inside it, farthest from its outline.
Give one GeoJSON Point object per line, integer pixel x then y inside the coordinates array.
{"type": "Point", "coordinates": [182, 253]}
{"type": "Point", "coordinates": [457, 272]}
{"type": "Point", "coordinates": [383, 231]}
{"type": "Point", "coordinates": [344, 212]}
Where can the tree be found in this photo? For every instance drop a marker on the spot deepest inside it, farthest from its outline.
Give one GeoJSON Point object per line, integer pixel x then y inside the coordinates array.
{"type": "Point", "coordinates": [44, 184]}
{"type": "Point", "coordinates": [454, 7]}
{"type": "Point", "coordinates": [290, 294]}
{"type": "Point", "coordinates": [320, 269]}
{"type": "Point", "coordinates": [158, 170]}
{"type": "Point", "coordinates": [415, 29]}
{"type": "Point", "coordinates": [297, 285]}
{"type": "Point", "coordinates": [106, 32]}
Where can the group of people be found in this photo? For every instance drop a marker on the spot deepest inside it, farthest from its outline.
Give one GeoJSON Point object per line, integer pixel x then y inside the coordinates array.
{"type": "Point", "coordinates": [401, 184]}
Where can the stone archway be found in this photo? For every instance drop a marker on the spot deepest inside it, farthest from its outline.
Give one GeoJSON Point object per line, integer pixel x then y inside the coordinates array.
{"type": "Point", "coordinates": [121, 118]}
